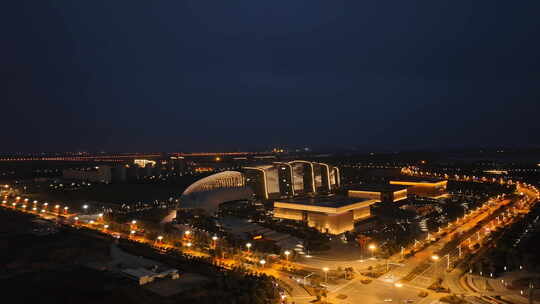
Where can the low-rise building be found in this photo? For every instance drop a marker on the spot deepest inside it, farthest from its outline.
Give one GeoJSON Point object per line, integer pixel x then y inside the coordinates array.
{"type": "Point", "coordinates": [383, 193]}
{"type": "Point", "coordinates": [333, 214]}
{"type": "Point", "coordinates": [422, 186]}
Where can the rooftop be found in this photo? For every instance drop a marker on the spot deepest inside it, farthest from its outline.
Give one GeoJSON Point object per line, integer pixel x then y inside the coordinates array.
{"type": "Point", "coordinates": [417, 179]}
{"type": "Point", "coordinates": [376, 187]}
{"type": "Point", "coordinates": [335, 201]}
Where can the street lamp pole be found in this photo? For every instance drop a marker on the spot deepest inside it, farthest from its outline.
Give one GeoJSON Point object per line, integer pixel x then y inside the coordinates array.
{"type": "Point", "coordinates": [372, 248]}
{"type": "Point", "coordinates": [287, 252]}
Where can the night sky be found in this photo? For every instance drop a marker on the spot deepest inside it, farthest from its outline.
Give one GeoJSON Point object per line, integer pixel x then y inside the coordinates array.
{"type": "Point", "coordinates": [250, 75]}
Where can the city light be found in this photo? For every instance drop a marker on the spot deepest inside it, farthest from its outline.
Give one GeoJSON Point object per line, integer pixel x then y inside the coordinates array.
{"type": "Point", "coordinates": [325, 269]}
{"type": "Point", "coordinates": [287, 252]}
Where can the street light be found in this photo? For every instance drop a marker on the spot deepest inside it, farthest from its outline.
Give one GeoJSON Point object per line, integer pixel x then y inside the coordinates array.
{"type": "Point", "coordinates": [189, 244]}
{"type": "Point", "coordinates": [287, 252]}
{"type": "Point", "coordinates": [160, 238]}
{"type": "Point", "coordinates": [262, 262]}
{"type": "Point", "coordinates": [372, 248]}
{"type": "Point", "coordinates": [436, 258]}
{"type": "Point", "coordinates": [325, 269]}
{"type": "Point", "coordinates": [248, 245]}
{"type": "Point", "coordinates": [133, 222]}
{"type": "Point", "coordinates": [187, 233]}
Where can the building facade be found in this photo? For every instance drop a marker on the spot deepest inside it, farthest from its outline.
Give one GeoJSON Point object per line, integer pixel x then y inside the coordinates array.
{"type": "Point", "coordinates": [292, 179]}
{"type": "Point", "coordinates": [333, 215]}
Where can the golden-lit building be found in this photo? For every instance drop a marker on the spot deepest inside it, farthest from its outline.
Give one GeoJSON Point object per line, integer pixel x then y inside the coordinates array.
{"type": "Point", "coordinates": [422, 186]}
{"type": "Point", "coordinates": [144, 162]}
{"type": "Point", "coordinates": [382, 193]}
{"type": "Point", "coordinates": [293, 178]}
{"type": "Point", "coordinates": [334, 214]}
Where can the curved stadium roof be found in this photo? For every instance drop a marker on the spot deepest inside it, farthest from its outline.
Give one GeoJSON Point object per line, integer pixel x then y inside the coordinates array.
{"type": "Point", "coordinates": [209, 192]}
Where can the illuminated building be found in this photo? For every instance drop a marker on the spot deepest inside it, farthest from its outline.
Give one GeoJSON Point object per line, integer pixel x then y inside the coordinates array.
{"type": "Point", "coordinates": [422, 186]}
{"type": "Point", "coordinates": [334, 214]}
{"type": "Point", "coordinates": [382, 193]}
{"type": "Point", "coordinates": [285, 177]}
{"type": "Point", "coordinates": [209, 192]}
{"type": "Point", "coordinates": [290, 179]}
{"type": "Point", "coordinates": [144, 162]}
{"type": "Point", "coordinates": [322, 177]}
{"type": "Point", "coordinates": [256, 180]}
{"type": "Point", "coordinates": [303, 176]}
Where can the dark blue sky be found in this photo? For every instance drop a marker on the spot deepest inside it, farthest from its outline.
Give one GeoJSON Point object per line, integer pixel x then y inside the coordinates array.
{"type": "Point", "coordinates": [248, 75]}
